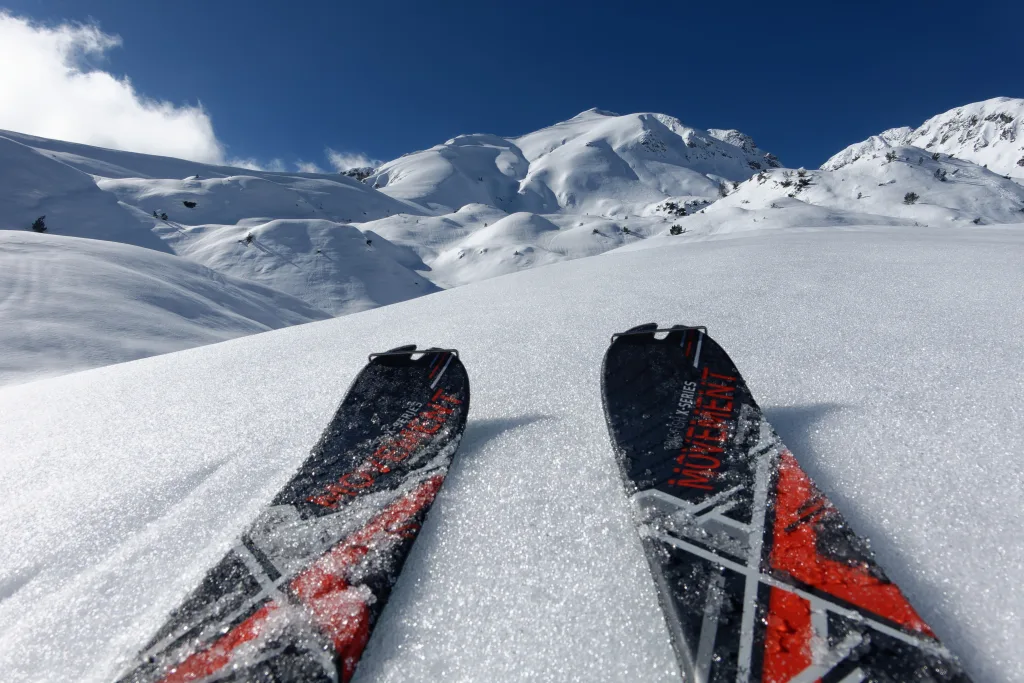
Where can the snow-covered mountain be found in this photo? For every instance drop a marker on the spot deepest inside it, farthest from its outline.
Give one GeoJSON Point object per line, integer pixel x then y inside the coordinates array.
{"type": "Point", "coordinates": [482, 205]}
{"type": "Point", "coordinates": [292, 232]}
{"type": "Point", "coordinates": [988, 133]}
{"type": "Point", "coordinates": [595, 163]}
{"type": "Point", "coordinates": [884, 185]}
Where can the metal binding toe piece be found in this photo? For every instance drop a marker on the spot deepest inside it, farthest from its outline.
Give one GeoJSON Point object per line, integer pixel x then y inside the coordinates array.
{"type": "Point", "coordinates": [652, 328]}
{"type": "Point", "coordinates": [412, 350]}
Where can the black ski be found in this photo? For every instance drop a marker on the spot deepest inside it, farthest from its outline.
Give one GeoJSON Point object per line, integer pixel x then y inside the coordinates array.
{"type": "Point", "coordinates": [298, 595]}
{"type": "Point", "coordinates": [758, 574]}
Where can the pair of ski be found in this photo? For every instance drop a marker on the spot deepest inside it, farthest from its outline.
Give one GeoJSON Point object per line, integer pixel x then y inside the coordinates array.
{"type": "Point", "coordinates": [758, 575]}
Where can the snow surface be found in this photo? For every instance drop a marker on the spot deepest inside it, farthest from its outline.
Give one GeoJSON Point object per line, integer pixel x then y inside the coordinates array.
{"type": "Point", "coordinates": [68, 303]}
{"type": "Point", "coordinates": [887, 357]}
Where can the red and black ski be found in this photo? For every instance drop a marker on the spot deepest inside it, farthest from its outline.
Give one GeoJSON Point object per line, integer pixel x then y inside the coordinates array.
{"type": "Point", "coordinates": [759, 576]}
{"type": "Point", "coordinates": [298, 595]}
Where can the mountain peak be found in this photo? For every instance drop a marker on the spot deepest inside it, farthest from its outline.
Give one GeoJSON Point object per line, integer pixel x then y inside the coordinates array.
{"type": "Point", "coordinates": [989, 133]}
{"type": "Point", "coordinates": [594, 112]}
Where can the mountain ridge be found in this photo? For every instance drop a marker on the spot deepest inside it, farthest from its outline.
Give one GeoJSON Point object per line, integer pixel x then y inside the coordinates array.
{"type": "Point", "coordinates": [483, 205]}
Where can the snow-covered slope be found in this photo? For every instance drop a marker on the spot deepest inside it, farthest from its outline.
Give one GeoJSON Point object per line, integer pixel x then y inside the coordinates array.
{"type": "Point", "coordinates": [947, 189]}
{"type": "Point", "coordinates": [68, 303]}
{"type": "Point", "coordinates": [33, 184]}
{"type": "Point", "coordinates": [247, 196]}
{"type": "Point", "coordinates": [872, 183]}
{"type": "Point", "coordinates": [303, 240]}
{"type": "Point", "coordinates": [888, 359]}
{"type": "Point", "coordinates": [988, 133]}
{"type": "Point", "coordinates": [468, 169]}
{"type": "Point", "coordinates": [332, 266]}
{"type": "Point", "coordinates": [479, 242]}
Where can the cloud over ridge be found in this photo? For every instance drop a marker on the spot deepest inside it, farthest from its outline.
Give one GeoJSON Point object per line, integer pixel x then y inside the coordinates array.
{"type": "Point", "coordinates": [343, 161]}
{"type": "Point", "coordinates": [51, 91]}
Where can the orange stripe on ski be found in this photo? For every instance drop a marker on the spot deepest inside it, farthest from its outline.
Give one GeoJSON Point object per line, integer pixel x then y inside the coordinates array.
{"type": "Point", "coordinates": [799, 506]}
{"type": "Point", "coordinates": [204, 663]}
{"type": "Point", "coordinates": [340, 610]}
{"type": "Point", "coordinates": [787, 646]}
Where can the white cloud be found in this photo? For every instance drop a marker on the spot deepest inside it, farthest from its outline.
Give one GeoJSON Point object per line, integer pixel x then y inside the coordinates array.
{"type": "Point", "coordinates": [47, 89]}
{"type": "Point", "coordinates": [308, 167]}
{"type": "Point", "coordinates": [342, 161]}
{"type": "Point", "coordinates": [50, 88]}
{"type": "Point", "coordinates": [275, 165]}
{"type": "Point", "coordinates": [250, 164]}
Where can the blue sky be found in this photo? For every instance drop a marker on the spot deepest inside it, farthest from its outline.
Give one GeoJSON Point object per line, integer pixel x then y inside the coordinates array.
{"type": "Point", "coordinates": [286, 80]}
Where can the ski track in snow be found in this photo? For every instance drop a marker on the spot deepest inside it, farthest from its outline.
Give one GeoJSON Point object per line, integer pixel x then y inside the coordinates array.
{"type": "Point", "coordinates": [888, 359]}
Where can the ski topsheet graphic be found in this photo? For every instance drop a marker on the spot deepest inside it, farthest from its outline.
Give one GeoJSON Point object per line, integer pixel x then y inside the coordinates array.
{"type": "Point", "coordinates": [297, 596]}
{"type": "Point", "coordinates": [758, 574]}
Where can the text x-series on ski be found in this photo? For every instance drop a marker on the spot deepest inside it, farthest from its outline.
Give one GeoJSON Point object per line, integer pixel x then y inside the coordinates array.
{"type": "Point", "coordinates": [758, 575]}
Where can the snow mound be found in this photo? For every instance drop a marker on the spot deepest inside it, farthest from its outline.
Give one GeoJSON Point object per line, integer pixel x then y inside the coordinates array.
{"type": "Point", "coordinates": [512, 243]}
{"type": "Point", "coordinates": [34, 185]}
{"type": "Point", "coordinates": [428, 235]}
{"type": "Point", "coordinates": [69, 304]}
{"type": "Point", "coordinates": [483, 169]}
{"type": "Point", "coordinates": [479, 242]}
{"type": "Point", "coordinates": [518, 229]}
{"type": "Point", "coordinates": [331, 266]}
